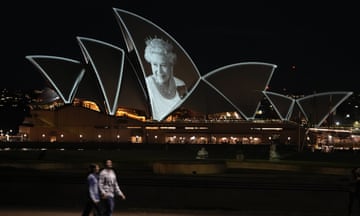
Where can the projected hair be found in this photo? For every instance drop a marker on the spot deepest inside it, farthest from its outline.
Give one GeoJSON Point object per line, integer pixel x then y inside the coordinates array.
{"type": "Point", "coordinates": [160, 47]}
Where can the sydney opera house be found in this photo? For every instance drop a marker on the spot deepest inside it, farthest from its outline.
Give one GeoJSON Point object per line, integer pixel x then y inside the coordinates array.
{"type": "Point", "coordinates": [110, 95]}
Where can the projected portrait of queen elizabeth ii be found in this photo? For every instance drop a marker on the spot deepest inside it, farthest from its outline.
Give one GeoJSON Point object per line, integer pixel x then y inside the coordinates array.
{"type": "Point", "coordinates": [165, 89]}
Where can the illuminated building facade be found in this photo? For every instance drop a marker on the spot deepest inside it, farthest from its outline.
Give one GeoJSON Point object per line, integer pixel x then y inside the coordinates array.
{"type": "Point", "coordinates": [123, 106]}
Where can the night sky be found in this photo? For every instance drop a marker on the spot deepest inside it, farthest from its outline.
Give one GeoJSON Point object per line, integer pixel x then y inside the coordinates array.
{"type": "Point", "coordinates": [316, 47]}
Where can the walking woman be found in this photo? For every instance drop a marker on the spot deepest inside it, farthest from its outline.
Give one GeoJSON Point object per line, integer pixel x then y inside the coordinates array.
{"type": "Point", "coordinates": [93, 197]}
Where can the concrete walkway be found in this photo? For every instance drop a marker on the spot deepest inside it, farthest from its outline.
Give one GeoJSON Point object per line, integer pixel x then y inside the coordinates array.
{"type": "Point", "coordinates": [32, 212]}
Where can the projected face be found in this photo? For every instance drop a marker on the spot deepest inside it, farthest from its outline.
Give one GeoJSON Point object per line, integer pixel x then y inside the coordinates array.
{"type": "Point", "coordinates": [165, 90]}
{"type": "Point", "coordinates": [161, 68]}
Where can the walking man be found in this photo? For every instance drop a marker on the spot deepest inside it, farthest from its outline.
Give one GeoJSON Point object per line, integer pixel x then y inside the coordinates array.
{"type": "Point", "coordinates": [109, 188]}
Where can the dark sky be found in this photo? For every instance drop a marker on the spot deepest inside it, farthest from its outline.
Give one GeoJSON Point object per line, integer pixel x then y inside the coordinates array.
{"type": "Point", "coordinates": [316, 47]}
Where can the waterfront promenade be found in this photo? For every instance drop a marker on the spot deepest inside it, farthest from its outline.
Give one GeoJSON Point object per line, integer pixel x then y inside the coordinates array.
{"type": "Point", "coordinates": [53, 183]}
